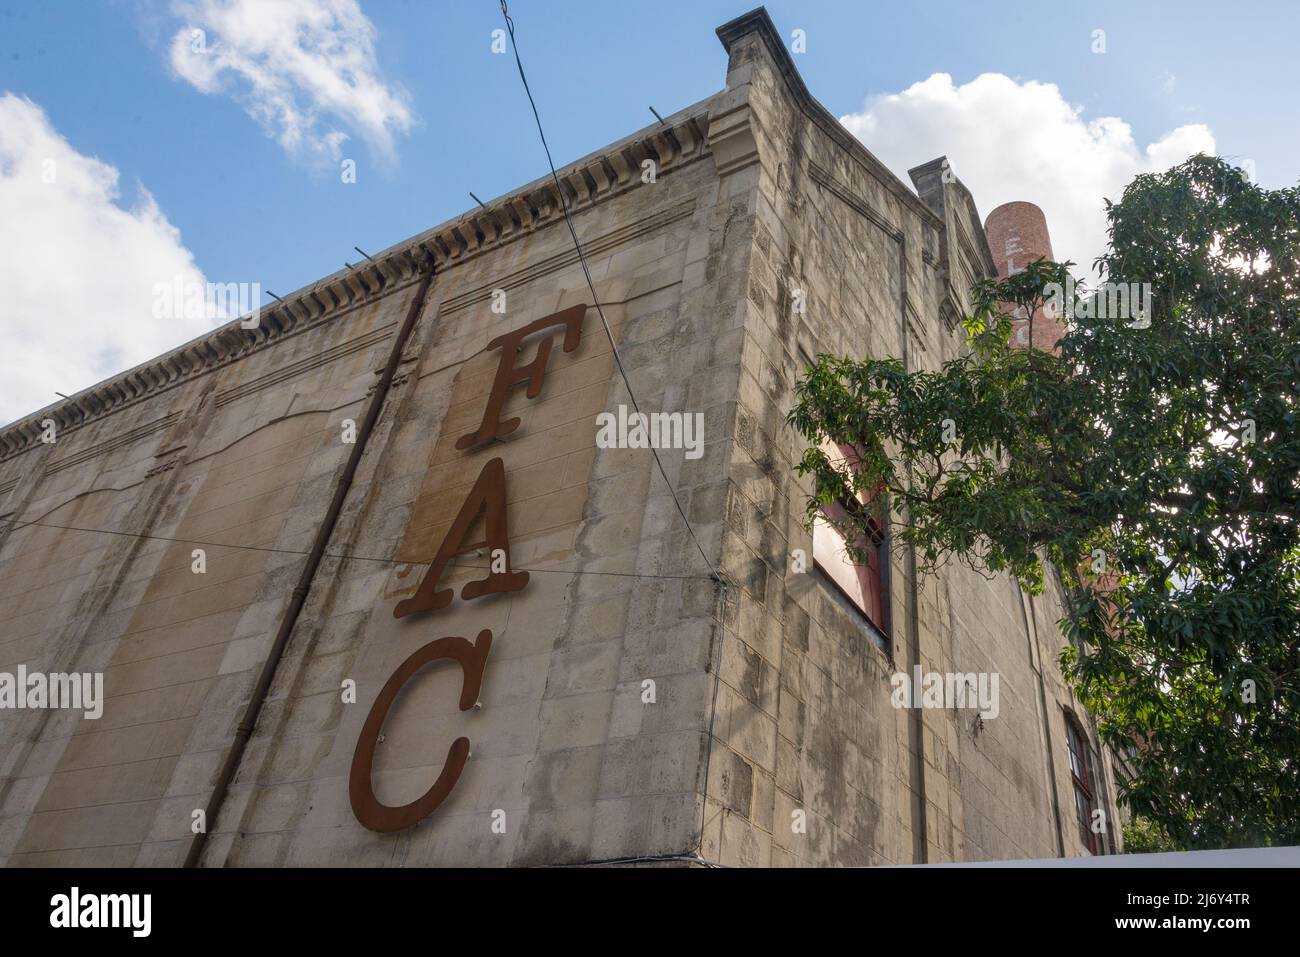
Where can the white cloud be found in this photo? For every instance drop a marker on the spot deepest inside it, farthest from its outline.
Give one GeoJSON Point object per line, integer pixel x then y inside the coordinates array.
{"type": "Point", "coordinates": [1021, 141]}
{"type": "Point", "coordinates": [305, 70]}
{"type": "Point", "coordinates": [78, 271]}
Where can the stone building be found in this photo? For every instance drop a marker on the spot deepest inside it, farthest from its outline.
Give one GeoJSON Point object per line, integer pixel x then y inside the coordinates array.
{"type": "Point", "coordinates": [157, 529]}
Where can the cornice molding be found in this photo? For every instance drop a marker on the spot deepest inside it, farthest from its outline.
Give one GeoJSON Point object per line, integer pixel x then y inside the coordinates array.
{"type": "Point", "coordinates": [306, 309]}
{"type": "Point", "coordinates": [595, 246]}
{"type": "Point", "coordinates": [681, 139]}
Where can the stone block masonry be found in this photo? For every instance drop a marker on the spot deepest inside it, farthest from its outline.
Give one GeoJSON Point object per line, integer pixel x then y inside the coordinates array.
{"type": "Point", "coordinates": [628, 708]}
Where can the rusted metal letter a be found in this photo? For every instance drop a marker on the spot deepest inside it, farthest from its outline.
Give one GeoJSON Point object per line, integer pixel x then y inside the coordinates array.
{"type": "Point", "coordinates": [488, 494]}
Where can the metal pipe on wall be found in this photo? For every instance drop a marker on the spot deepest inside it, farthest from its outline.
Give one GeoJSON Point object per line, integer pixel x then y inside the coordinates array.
{"type": "Point", "coordinates": [244, 731]}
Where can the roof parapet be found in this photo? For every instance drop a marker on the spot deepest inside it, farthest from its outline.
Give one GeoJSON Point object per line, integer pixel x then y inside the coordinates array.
{"type": "Point", "coordinates": [757, 22]}
{"type": "Point", "coordinates": [681, 138]}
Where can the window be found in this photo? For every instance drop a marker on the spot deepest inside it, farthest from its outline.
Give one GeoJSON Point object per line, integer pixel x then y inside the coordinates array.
{"type": "Point", "coordinates": [1081, 777]}
{"type": "Point", "coordinates": [864, 586]}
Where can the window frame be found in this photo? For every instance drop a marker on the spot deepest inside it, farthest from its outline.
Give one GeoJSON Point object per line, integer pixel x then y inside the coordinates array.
{"type": "Point", "coordinates": [1081, 780]}
{"type": "Point", "coordinates": [873, 579]}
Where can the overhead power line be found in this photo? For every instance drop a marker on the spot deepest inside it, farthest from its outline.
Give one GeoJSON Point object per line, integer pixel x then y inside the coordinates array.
{"type": "Point", "coordinates": [717, 577]}
{"type": "Point", "coordinates": [586, 271]}
{"type": "Point", "coordinates": [339, 555]}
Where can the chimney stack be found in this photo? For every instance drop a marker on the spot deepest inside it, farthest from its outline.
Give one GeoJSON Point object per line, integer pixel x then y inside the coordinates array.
{"type": "Point", "coordinates": [1017, 235]}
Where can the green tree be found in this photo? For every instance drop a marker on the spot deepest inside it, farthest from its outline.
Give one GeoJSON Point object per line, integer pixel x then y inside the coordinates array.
{"type": "Point", "coordinates": [1153, 462]}
{"type": "Point", "coordinates": [1145, 837]}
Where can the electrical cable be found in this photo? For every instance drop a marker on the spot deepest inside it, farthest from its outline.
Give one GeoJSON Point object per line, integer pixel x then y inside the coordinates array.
{"type": "Point", "coordinates": [344, 557]}
{"type": "Point", "coordinates": [582, 258]}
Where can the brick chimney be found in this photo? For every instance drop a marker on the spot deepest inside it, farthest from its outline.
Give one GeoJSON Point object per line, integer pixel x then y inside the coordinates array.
{"type": "Point", "coordinates": [1017, 235]}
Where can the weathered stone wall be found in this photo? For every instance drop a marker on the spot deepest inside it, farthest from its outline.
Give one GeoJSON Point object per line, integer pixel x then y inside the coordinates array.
{"type": "Point", "coordinates": [805, 706]}
{"type": "Point", "coordinates": [563, 743]}
{"type": "Point", "coordinates": [241, 453]}
{"type": "Point", "coordinates": [237, 439]}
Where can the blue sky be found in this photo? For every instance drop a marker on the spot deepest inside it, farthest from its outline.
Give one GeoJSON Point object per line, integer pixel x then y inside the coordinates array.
{"type": "Point", "coordinates": [453, 118]}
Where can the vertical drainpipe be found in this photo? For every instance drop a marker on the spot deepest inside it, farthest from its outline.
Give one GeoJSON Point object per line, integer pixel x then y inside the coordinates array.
{"type": "Point", "coordinates": [244, 731]}
{"type": "Point", "coordinates": [1036, 651]}
{"type": "Point", "coordinates": [1110, 797]}
{"type": "Point", "coordinates": [913, 601]}
{"type": "Point", "coordinates": [1108, 801]}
